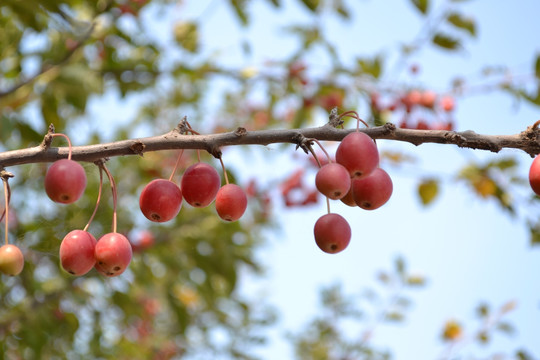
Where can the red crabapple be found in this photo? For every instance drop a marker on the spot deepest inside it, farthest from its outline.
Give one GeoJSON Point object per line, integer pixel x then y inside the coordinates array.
{"type": "Point", "coordinates": [200, 184]}
{"type": "Point", "coordinates": [333, 180]}
{"type": "Point", "coordinates": [358, 153]}
{"type": "Point", "coordinates": [428, 99]}
{"type": "Point", "coordinates": [77, 252]}
{"type": "Point", "coordinates": [160, 200]}
{"type": "Point", "coordinates": [143, 240]}
{"type": "Point", "coordinates": [332, 233]}
{"type": "Point", "coordinates": [11, 260]}
{"type": "Point", "coordinates": [534, 175]}
{"type": "Point", "coordinates": [113, 254]}
{"type": "Point", "coordinates": [348, 199]}
{"type": "Point", "coordinates": [447, 103]}
{"type": "Point", "coordinates": [65, 181]}
{"type": "Point", "coordinates": [372, 191]}
{"type": "Point", "coordinates": [231, 202]}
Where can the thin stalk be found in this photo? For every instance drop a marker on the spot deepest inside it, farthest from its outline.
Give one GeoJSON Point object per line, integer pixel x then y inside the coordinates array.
{"type": "Point", "coordinates": [310, 148]}
{"type": "Point", "coordinates": [114, 195]}
{"type": "Point", "coordinates": [7, 194]}
{"type": "Point", "coordinates": [98, 199]}
{"type": "Point", "coordinates": [176, 165]}
{"type": "Point", "coordinates": [68, 141]}
{"type": "Point", "coordinates": [224, 171]}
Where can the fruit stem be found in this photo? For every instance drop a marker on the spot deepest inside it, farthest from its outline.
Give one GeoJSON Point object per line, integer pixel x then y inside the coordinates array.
{"type": "Point", "coordinates": [354, 115]}
{"type": "Point", "coordinates": [323, 149]}
{"type": "Point", "coordinates": [98, 198]}
{"type": "Point", "coordinates": [113, 189]}
{"type": "Point", "coordinates": [176, 165]}
{"type": "Point", "coordinates": [7, 195]}
{"type": "Point", "coordinates": [310, 148]}
{"type": "Point", "coordinates": [68, 141]}
{"type": "Point", "coordinates": [224, 171]}
{"type": "Point", "coordinates": [328, 204]}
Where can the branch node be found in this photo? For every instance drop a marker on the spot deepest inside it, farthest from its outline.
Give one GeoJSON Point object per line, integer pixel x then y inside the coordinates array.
{"type": "Point", "coordinates": [137, 147]}
{"type": "Point", "coordinates": [389, 128]}
{"type": "Point", "coordinates": [47, 139]}
{"type": "Point", "coordinates": [182, 127]}
{"type": "Point", "coordinates": [334, 119]}
{"type": "Point", "coordinates": [215, 151]}
{"type": "Point", "coordinates": [4, 174]}
{"type": "Point", "coordinates": [240, 131]}
{"type": "Point", "coordinates": [302, 142]}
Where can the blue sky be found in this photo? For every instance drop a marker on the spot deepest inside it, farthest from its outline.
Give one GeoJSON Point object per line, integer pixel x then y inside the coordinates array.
{"type": "Point", "coordinates": [469, 250]}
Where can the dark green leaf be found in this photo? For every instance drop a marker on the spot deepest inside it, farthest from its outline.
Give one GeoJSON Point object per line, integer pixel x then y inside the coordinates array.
{"type": "Point", "coordinates": [276, 3]}
{"type": "Point", "coordinates": [311, 4]}
{"type": "Point", "coordinates": [445, 42]}
{"type": "Point", "coordinates": [240, 9]}
{"type": "Point", "coordinates": [537, 67]}
{"type": "Point", "coordinates": [421, 5]}
{"type": "Point", "coordinates": [463, 23]}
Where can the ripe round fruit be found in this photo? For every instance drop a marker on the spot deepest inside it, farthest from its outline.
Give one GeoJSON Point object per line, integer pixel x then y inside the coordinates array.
{"type": "Point", "coordinates": [332, 233]}
{"type": "Point", "coordinates": [358, 153]}
{"type": "Point", "coordinates": [348, 199]}
{"type": "Point", "coordinates": [447, 103]}
{"type": "Point", "coordinates": [372, 191]}
{"type": "Point", "coordinates": [11, 260]}
{"type": "Point", "coordinates": [200, 184]}
{"type": "Point", "coordinates": [113, 254]}
{"type": "Point", "coordinates": [333, 180]}
{"type": "Point", "coordinates": [77, 252]}
{"type": "Point", "coordinates": [231, 202]}
{"type": "Point", "coordinates": [534, 175]}
{"type": "Point", "coordinates": [65, 181]}
{"type": "Point", "coordinates": [160, 200]}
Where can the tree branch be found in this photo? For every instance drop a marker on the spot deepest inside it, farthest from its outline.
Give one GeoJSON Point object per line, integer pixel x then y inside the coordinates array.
{"type": "Point", "coordinates": [527, 141]}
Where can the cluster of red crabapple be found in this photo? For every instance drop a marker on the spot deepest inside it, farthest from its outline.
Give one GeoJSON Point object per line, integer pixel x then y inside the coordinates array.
{"type": "Point", "coordinates": [356, 179]}
{"type": "Point", "coordinates": [160, 201]}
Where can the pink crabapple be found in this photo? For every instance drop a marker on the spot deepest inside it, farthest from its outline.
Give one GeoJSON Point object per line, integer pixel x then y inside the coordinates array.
{"type": "Point", "coordinates": [200, 184]}
{"type": "Point", "coordinates": [231, 202]}
{"type": "Point", "coordinates": [332, 233]}
{"type": "Point", "coordinates": [534, 175]}
{"type": "Point", "coordinates": [333, 180]}
{"type": "Point", "coordinates": [160, 200]}
{"type": "Point", "coordinates": [113, 254]}
{"type": "Point", "coordinates": [77, 252]}
{"type": "Point", "coordinates": [358, 153]}
{"type": "Point", "coordinates": [11, 260]}
{"type": "Point", "coordinates": [373, 191]}
{"type": "Point", "coordinates": [65, 181]}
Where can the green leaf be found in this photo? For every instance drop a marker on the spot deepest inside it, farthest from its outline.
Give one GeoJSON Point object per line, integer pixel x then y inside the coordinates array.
{"type": "Point", "coordinates": [276, 3]}
{"type": "Point", "coordinates": [462, 22]}
{"type": "Point", "coordinates": [239, 7]}
{"type": "Point", "coordinates": [445, 41]}
{"type": "Point", "coordinates": [428, 191]}
{"type": "Point", "coordinates": [537, 67]}
{"type": "Point", "coordinates": [311, 4]}
{"type": "Point", "coordinates": [421, 5]}
{"type": "Point", "coordinates": [187, 36]}
{"type": "Point", "coordinates": [534, 230]}
{"type": "Point", "coordinates": [371, 67]}
{"type": "Point", "coordinates": [483, 310]}
{"type": "Point", "coordinates": [506, 328]}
